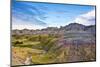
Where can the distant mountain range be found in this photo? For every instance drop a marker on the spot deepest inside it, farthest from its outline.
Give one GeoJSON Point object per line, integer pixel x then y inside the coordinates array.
{"type": "Point", "coordinates": [76, 27]}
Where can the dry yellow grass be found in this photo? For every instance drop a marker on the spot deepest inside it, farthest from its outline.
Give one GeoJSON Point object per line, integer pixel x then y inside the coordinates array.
{"type": "Point", "coordinates": [19, 54]}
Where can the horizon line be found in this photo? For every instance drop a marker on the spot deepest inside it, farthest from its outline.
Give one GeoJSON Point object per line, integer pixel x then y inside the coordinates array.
{"type": "Point", "coordinates": [51, 27]}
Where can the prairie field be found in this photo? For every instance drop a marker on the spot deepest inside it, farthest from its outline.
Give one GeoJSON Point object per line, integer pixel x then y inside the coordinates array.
{"type": "Point", "coordinates": [46, 48]}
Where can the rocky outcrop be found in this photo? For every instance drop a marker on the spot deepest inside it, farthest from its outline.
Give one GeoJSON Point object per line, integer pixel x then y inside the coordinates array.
{"type": "Point", "coordinates": [62, 30]}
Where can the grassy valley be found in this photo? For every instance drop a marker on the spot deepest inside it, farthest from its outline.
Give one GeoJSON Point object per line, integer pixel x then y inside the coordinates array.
{"type": "Point", "coordinates": [60, 46]}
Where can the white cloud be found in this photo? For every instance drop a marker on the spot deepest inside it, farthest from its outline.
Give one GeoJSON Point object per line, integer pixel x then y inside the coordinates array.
{"type": "Point", "coordinates": [85, 19]}
{"type": "Point", "coordinates": [89, 14]}
{"type": "Point", "coordinates": [28, 26]}
{"type": "Point", "coordinates": [20, 24]}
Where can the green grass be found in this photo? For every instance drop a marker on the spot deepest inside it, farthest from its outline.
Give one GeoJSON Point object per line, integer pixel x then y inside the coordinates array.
{"type": "Point", "coordinates": [44, 49]}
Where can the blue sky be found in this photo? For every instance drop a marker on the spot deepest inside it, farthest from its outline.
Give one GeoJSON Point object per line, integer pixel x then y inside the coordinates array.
{"type": "Point", "coordinates": [34, 15]}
